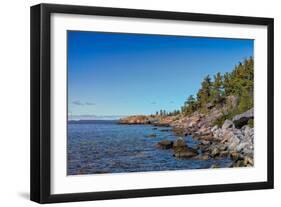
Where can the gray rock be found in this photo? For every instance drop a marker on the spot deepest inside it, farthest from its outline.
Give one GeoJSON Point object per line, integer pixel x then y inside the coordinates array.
{"type": "Point", "coordinates": [205, 142]}
{"type": "Point", "coordinates": [242, 119]}
{"type": "Point", "coordinates": [233, 143]}
{"type": "Point", "coordinates": [215, 152]}
{"type": "Point", "coordinates": [227, 124]}
{"type": "Point", "coordinates": [248, 151]}
{"type": "Point", "coordinates": [248, 131]}
{"type": "Point", "coordinates": [214, 128]}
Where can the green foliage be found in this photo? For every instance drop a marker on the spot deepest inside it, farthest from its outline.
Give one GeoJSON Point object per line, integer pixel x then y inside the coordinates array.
{"type": "Point", "coordinates": [251, 123]}
{"type": "Point", "coordinates": [238, 83]}
{"type": "Point", "coordinates": [217, 92]}
{"type": "Point", "coordinates": [227, 115]}
{"type": "Point", "coordinates": [246, 101]}
{"type": "Point", "coordinates": [190, 105]}
{"type": "Point", "coordinates": [240, 79]}
{"type": "Point", "coordinates": [165, 113]}
{"type": "Point", "coordinates": [162, 112]}
{"type": "Point", "coordinates": [173, 113]}
{"type": "Point", "coordinates": [204, 93]}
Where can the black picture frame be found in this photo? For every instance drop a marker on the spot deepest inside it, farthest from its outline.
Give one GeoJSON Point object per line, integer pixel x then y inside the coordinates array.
{"type": "Point", "coordinates": [41, 98]}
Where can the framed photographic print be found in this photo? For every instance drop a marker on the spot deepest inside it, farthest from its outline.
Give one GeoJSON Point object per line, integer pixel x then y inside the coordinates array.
{"type": "Point", "coordinates": [133, 103]}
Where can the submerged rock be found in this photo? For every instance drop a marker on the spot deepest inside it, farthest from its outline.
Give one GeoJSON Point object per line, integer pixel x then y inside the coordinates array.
{"type": "Point", "coordinates": [165, 144]}
{"type": "Point", "coordinates": [151, 135]}
{"type": "Point", "coordinates": [186, 153]}
{"type": "Point", "coordinates": [202, 157]}
{"type": "Point", "coordinates": [165, 130]}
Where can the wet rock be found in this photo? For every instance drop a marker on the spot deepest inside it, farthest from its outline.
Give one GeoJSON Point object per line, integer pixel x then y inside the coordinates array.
{"type": "Point", "coordinates": [165, 130]}
{"type": "Point", "coordinates": [165, 144]}
{"type": "Point", "coordinates": [161, 124]}
{"type": "Point", "coordinates": [179, 131]}
{"type": "Point", "coordinates": [186, 153]}
{"type": "Point", "coordinates": [179, 143]}
{"type": "Point", "coordinates": [151, 135]}
{"type": "Point", "coordinates": [202, 157]}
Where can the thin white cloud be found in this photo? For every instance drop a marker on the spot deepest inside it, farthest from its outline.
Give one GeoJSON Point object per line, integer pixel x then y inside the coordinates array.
{"type": "Point", "coordinates": [79, 103]}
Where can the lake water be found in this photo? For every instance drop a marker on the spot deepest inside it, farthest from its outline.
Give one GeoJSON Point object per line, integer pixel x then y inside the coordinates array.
{"type": "Point", "coordinates": [107, 147]}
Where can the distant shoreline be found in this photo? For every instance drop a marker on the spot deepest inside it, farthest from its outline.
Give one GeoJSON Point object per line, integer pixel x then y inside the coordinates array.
{"type": "Point", "coordinates": [85, 121]}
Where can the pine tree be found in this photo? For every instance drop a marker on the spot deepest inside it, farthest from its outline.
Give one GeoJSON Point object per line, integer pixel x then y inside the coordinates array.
{"type": "Point", "coordinates": [217, 89]}
{"type": "Point", "coordinates": [203, 95]}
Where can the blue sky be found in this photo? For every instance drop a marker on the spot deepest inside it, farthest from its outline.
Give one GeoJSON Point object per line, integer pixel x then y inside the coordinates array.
{"type": "Point", "coordinates": [111, 74]}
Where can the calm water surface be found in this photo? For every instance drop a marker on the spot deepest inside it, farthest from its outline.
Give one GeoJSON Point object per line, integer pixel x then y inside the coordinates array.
{"type": "Point", "coordinates": [107, 147]}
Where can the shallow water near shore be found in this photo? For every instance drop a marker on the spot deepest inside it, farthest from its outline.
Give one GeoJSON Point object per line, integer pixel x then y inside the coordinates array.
{"type": "Point", "coordinates": [103, 146]}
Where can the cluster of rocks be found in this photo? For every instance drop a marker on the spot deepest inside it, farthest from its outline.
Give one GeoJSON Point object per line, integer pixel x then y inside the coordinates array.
{"type": "Point", "coordinates": [138, 119]}
{"type": "Point", "coordinates": [155, 120]}
{"type": "Point", "coordinates": [179, 147]}
{"type": "Point", "coordinates": [234, 138]}
{"type": "Point", "coordinates": [236, 142]}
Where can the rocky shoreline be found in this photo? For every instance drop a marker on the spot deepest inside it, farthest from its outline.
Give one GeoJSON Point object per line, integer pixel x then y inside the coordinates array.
{"type": "Point", "coordinates": [234, 139]}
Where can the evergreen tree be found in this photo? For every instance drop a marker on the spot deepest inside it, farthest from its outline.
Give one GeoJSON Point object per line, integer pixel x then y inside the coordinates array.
{"type": "Point", "coordinates": [238, 83]}
{"type": "Point", "coordinates": [204, 93]}
{"type": "Point", "coordinates": [189, 105]}
{"type": "Point", "coordinates": [217, 89]}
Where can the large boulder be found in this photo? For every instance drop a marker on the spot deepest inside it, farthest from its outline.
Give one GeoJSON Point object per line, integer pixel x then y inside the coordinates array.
{"type": "Point", "coordinates": [242, 119]}
{"type": "Point", "coordinates": [179, 143]}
